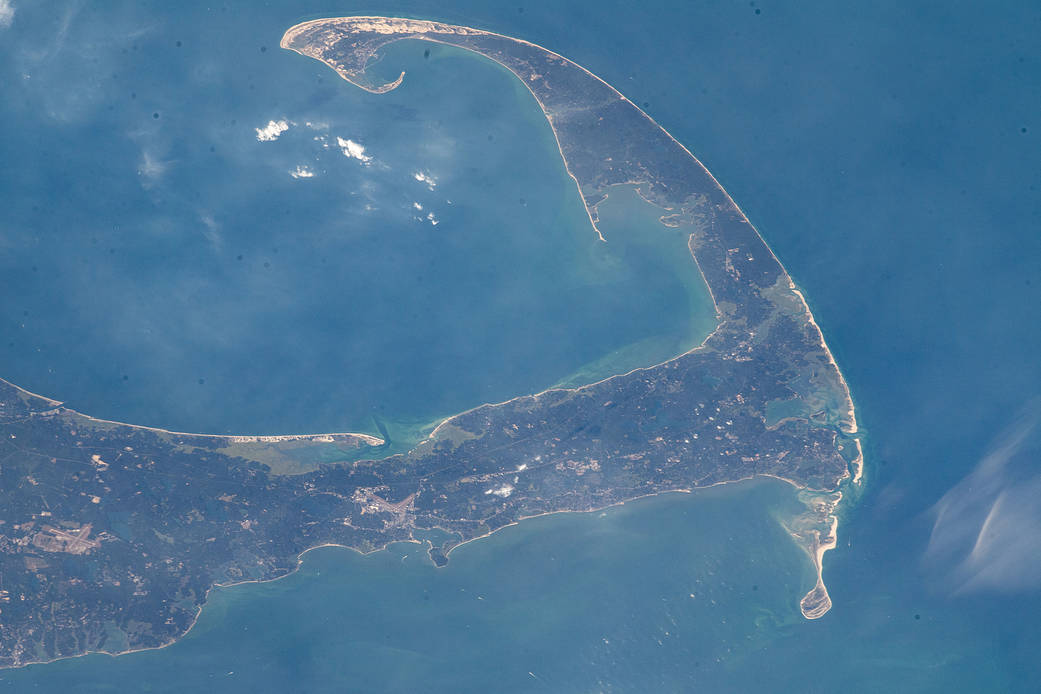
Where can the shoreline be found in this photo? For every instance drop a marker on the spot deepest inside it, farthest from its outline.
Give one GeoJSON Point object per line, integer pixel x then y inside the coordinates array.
{"type": "Point", "coordinates": [383, 25]}
{"type": "Point", "coordinates": [819, 546]}
{"type": "Point", "coordinates": [300, 558]}
{"type": "Point", "coordinates": [851, 414]}
{"type": "Point", "coordinates": [375, 441]}
{"type": "Point", "coordinates": [231, 438]}
{"type": "Point", "coordinates": [817, 602]}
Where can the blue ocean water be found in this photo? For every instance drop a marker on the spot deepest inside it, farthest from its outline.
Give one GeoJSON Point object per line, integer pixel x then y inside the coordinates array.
{"type": "Point", "coordinates": [888, 152]}
{"type": "Point", "coordinates": [194, 250]}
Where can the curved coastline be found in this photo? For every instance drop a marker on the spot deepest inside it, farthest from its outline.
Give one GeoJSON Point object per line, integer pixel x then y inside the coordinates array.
{"type": "Point", "coordinates": [302, 39]}
{"type": "Point", "coordinates": [397, 29]}
{"type": "Point", "coordinates": [759, 338]}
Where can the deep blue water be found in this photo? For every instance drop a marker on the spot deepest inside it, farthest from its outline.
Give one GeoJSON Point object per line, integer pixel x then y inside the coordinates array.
{"type": "Point", "coordinates": [889, 154]}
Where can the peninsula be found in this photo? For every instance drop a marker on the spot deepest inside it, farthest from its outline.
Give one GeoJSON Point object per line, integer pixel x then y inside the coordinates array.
{"type": "Point", "coordinates": [111, 535]}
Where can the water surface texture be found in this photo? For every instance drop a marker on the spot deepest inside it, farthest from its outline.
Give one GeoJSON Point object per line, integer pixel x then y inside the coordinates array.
{"type": "Point", "coordinates": [285, 254]}
{"type": "Point", "coordinates": [887, 152]}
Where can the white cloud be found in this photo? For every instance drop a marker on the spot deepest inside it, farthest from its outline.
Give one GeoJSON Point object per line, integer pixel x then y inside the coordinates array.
{"type": "Point", "coordinates": [151, 167]}
{"type": "Point", "coordinates": [503, 491]}
{"type": "Point", "coordinates": [987, 529]}
{"type": "Point", "coordinates": [6, 13]}
{"type": "Point", "coordinates": [353, 150]}
{"type": "Point", "coordinates": [317, 126]}
{"type": "Point", "coordinates": [271, 131]}
{"type": "Point", "coordinates": [426, 178]}
{"type": "Point", "coordinates": [302, 172]}
{"type": "Point", "coordinates": [429, 217]}
{"type": "Point", "coordinates": [212, 232]}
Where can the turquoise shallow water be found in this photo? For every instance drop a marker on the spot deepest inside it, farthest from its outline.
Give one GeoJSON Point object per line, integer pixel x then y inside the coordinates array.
{"type": "Point", "coordinates": [889, 155]}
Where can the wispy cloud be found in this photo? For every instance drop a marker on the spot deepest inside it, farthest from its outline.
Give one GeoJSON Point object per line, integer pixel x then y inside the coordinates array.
{"type": "Point", "coordinates": [6, 13]}
{"type": "Point", "coordinates": [271, 131]}
{"type": "Point", "coordinates": [987, 529]}
{"type": "Point", "coordinates": [212, 230]}
{"type": "Point", "coordinates": [353, 150]}
{"type": "Point", "coordinates": [151, 168]}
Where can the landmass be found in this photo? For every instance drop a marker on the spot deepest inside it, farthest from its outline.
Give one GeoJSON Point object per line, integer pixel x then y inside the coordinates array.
{"type": "Point", "coordinates": [111, 535]}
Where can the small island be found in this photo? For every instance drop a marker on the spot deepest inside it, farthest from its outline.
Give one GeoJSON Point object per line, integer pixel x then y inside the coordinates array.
{"type": "Point", "coordinates": [112, 535]}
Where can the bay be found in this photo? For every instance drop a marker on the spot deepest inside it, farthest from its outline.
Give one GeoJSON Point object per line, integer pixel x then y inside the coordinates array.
{"type": "Point", "coordinates": [887, 153]}
{"type": "Point", "coordinates": [219, 265]}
